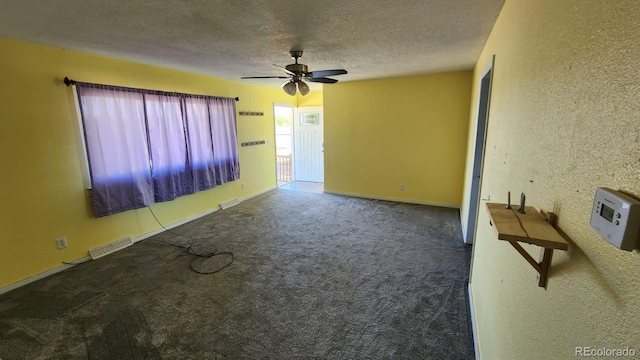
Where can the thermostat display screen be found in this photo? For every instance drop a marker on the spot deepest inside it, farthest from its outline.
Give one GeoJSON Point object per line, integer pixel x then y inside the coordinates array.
{"type": "Point", "coordinates": [607, 213]}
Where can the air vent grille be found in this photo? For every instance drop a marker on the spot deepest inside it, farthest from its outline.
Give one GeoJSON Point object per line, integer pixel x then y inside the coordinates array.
{"type": "Point", "coordinates": [110, 247]}
{"type": "Point", "coordinates": [230, 203]}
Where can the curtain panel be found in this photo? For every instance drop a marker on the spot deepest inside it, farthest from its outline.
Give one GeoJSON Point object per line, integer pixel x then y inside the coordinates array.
{"type": "Point", "coordinates": [148, 146]}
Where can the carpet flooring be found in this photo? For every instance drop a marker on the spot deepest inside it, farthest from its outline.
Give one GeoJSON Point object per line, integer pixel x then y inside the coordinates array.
{"type": "Point", "coordinates": [314, 276]}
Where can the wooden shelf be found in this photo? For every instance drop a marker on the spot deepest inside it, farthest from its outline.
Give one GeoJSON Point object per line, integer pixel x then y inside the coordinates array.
{"type": "Point", "coordinates": [531, 228]}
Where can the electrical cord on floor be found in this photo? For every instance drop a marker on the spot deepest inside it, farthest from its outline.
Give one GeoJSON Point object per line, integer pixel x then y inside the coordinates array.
{"type": "Point", "coordinates": [189, 250]}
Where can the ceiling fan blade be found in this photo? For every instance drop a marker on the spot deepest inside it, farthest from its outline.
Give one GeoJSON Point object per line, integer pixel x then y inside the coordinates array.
{"type": "Point", "coordinates": [323, 80]}
{"type": "Point", "coordinates": [264, 77]}
{"type": "Point", "coordinates": [323, 73]}
{"type": "Point", "coordinates": [284, 69]}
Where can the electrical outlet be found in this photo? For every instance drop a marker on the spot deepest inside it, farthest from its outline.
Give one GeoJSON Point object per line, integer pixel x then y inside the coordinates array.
{"type": "Point", "coordinates": [242, 186]}
{"type": "Point", "coordinates": [61, 242]}
{"type": "Point", "coordinates": [401, 187]}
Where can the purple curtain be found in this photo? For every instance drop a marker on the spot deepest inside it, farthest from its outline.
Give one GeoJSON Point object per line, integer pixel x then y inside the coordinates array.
{"type": "Point", "coordinates": [225, 144]}
{"type": "Point", "coordinates": [148, 146]}
{"type": "Point", "coordinates": [200, 143]}
{"type": "Point", "coordinates": [116, 140]}
{"type": "Point", "coordinates": [169, 158]}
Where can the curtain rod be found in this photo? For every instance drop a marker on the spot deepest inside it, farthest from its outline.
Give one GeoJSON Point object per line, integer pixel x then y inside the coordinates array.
{"type": "Point", "coordinates": [70, 82]}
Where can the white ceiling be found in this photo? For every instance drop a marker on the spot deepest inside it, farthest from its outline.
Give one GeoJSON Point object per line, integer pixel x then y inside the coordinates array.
{"type": "Point", "coordinates": [230, 39]}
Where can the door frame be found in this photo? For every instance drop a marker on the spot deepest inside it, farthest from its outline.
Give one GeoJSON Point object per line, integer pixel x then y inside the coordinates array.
{"type": "Point", "coordinates": [485, 83]}
{"type": "Point", "coordinates": [275, 142]}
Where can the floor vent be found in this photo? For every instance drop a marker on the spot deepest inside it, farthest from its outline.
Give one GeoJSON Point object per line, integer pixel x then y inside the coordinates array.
{"type": "Point", "coordinates": [230, 203]}
{"type": "Point", "coordinates": [111, 247]}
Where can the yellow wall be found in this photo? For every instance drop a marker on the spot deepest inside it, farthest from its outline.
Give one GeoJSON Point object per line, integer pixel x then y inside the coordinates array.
{"type": "Point", "coordinates": [563, 121]}
{"type": "Point", "coordinates": [43, 195]}
{"type": "Point", "coordinates": [412, 131]}
{"type": "Point", "coordinates": [313, 98]}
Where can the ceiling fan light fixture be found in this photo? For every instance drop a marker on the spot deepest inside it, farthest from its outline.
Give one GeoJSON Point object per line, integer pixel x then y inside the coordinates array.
{"type": "Point", "coordinates": [290, 88]}
{"type": "Point", "coordinates": [303, 88]}
{"type": "Point", "coordinates": [299, 73]}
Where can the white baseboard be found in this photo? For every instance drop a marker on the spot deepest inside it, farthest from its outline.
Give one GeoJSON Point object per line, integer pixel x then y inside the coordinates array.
{"type": "Point", "coordinates": [63, 267]}
{"type": "Point", "coordinates": [393, 199]}
{"type": "Point", "coordinates": [42, 275]}
{"type": "Point", "coordinates": [175, 224]}
{"type": "Point", "coordinates": [476, 347]}
{"type": "Point", "coordinates": [258, 193]}
{"type": "Point", "coordinates": [196, 216]}
{"type": "Point", "coordinates": [463, 228]}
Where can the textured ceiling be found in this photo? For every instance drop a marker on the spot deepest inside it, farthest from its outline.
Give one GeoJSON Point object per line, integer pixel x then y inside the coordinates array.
{"type": "Point", "coordinates": [230, 39]}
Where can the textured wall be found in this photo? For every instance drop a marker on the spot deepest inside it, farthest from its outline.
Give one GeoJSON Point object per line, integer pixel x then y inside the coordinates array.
{"type": "Point", "coordinates": [563, 120]}
{"type": "Point", "coordinates": [412, 131]}
{"type": "Point", "coordinates": [42, 177]}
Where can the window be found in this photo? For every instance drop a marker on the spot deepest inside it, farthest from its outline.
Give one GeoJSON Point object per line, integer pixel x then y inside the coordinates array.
{"type": "Point", "coordinates": [148, 146]}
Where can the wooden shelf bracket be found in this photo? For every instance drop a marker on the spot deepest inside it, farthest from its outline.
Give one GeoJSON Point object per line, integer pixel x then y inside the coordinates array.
{"type": "Point", "coordinates": [530, 227]}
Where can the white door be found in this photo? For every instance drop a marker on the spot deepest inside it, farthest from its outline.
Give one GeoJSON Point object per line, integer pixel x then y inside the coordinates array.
{"type": "Point", "coordinates": [308, 144]}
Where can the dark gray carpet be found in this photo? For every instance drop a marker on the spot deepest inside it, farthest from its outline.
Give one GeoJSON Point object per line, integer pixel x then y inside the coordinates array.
{"type": "Point", "coordinates": [315, 276]}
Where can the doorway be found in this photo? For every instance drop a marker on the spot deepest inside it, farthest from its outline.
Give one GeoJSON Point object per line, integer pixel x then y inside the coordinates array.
{"type": "Point", "coordinates": [299, 142]}
{"type": "Point", "coordinates": [478, 155]}
{"type": "Point", "coordinates": [283, 115]}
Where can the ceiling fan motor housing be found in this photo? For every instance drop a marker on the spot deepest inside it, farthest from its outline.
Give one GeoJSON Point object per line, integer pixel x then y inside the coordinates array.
{"type": "Point", "coordinates": [298, 69]}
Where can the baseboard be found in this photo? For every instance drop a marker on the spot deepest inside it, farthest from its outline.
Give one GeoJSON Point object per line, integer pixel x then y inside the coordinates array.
{"type": "Point", "coordinates": [476, 346]}
{"type": "Point", "coordinates": [63, 267]}
{"type": "Point", "coordinates": [393, 199]}
{"type": "Point", "coordinates": [258, 193]}
{"type": "Point", "coordinates": [463, 228]}
{"type": "Point", "coordinates": [43, 275]}
{"type": "Point", "coordinates": [175, 224]}
{"type": "Point", "coordinates": [197, 216]}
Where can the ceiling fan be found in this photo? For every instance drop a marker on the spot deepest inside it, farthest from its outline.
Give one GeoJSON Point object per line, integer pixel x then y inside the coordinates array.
{"type": "Point", "coordinates": [299, 73]}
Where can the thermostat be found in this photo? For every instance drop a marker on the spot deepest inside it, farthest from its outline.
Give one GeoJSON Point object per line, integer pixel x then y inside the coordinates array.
{"type": "Point", "coordinates": [616, 217]}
